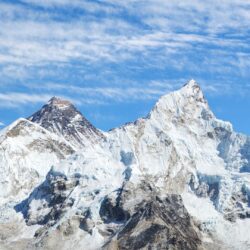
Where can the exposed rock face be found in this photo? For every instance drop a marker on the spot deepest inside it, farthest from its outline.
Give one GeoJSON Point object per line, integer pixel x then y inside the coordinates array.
{"type": "Point", "coordinates": [152, 223]}
{"type": "Point", "coordinates": [110, 212]}
{"type": "Point", "coordinates": [159, 224]}
{"type": "Point", "coordinates": [61, 117]}
{"type": "Point", "coordinates": [177, 179]}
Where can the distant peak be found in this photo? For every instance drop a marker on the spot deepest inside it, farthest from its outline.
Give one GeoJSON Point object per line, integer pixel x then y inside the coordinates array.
{"type": "Point", "coordinates": [61, 117]}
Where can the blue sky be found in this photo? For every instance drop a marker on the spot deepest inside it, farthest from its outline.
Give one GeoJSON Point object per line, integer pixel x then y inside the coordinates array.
{"type": "Point", "coordinates": [114, 59]}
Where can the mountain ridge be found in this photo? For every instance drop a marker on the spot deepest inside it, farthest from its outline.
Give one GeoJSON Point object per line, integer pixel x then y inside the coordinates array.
{"type": "Point", "coordinates": [178, 166]}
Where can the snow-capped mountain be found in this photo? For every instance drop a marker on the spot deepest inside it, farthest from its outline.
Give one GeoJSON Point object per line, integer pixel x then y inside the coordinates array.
{"type": "Point", "coordinates": [62, 118]}
{"type": "Point", "coordinates": [177, 179]}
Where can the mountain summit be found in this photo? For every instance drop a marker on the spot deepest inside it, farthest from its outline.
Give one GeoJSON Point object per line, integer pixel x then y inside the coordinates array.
{"type": "Point", "coordinates": [60, 103]}
{"type": "Point", "coordinates": [61, 117]}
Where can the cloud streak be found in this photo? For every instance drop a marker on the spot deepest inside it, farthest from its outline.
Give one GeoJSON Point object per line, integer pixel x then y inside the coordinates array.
{"type": "Point", "coordinates": [165, 26]}
{"type": "Point", "coordinates": [99, 53]}
{"type": "Point", "coordinates": [15, 99]}
{"type": "Point", "coordinates": [99, 96]}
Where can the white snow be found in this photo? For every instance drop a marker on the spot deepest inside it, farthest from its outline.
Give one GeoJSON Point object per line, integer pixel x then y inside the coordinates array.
{"type": "Point", "coordinates": [180, 138]}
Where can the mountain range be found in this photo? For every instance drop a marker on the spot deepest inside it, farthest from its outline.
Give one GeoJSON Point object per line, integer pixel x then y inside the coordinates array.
{"type": "Point", "coordinates": [176, 179]}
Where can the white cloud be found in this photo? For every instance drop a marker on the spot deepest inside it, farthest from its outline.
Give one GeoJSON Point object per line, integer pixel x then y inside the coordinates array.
{"type": "Point", "coordinates": [113, 95]}
{"type": "Point", "coordinates": [103, 95]}
{"type": "Point", "coordinates": [14, 99]}
{"type": "Point", "coordinates": [151, 90]}
{"type": "Point", "coordinates": [174, 25]}
{"type": "Point", "coordinates": [162, 33]}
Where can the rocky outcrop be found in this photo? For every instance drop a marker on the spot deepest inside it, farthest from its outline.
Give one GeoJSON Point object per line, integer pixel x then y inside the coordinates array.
{"type": "Point", "coordinates": [147, 220]}
{"type": "Point", "coordinates": [159, 223]}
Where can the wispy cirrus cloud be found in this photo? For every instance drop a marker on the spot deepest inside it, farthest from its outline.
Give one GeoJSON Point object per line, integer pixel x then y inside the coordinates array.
{"type": "Point", "coordinates": [13, 99]}
{"type": "Point", "coordinates": [119, 52]}
{"type": "Point", "coordinates": [103, 96]}
{"type": "Point", "coordinates": [40, 38]}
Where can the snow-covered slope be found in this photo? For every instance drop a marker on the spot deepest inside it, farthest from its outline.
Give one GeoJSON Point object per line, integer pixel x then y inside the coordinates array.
{"type": "Point", "coordinates": [27, 152]}
{"type": "Point", "coordinates": [182, 148]}
{"type": "Point", "coordinates": [177, 179]}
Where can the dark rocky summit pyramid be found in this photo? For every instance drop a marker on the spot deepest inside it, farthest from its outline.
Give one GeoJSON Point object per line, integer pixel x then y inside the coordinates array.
{"type": "Point", "coordinates": [61, 117]}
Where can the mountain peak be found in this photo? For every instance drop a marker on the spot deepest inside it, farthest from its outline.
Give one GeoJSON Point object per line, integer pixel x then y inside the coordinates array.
{"type": "Point", "coordinates": [61, 117]}
{"type": "Point", "coordinates": [190, 92]}
{"type": "Point", "coordinates": [191, 84]}
{"type": "Point", "coordinates": [192, 88]}
{"type": "Point", "coordinates": [59, 102]}
{"type": "Point", "coordinates": [187, 102]}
